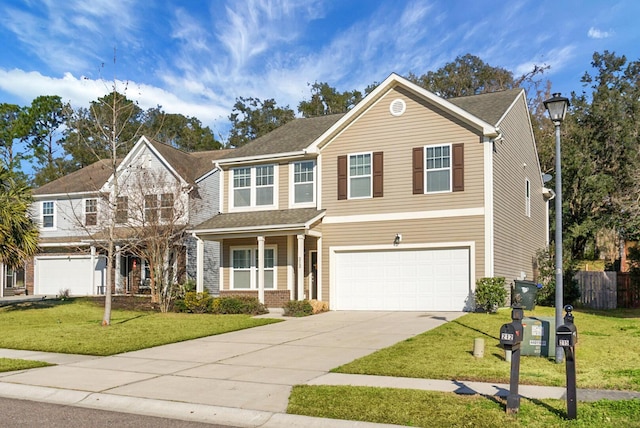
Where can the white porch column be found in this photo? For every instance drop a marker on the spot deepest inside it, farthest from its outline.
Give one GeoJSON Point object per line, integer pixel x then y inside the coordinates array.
{"type": "Point", "coordinates": [118, 272]}
{"type": "Point", "coordinates": [300, 267]}
{"type": "Point", "coordinates": [319, 269]}
{"type": "Point", "coordinates": [261, 269]}
{"type": "Point", "coordinates": [290, 267]}
{"type": "Point", "coordinates": [199, 265]}
{"type": "Point", "coordinates": [92, 277]}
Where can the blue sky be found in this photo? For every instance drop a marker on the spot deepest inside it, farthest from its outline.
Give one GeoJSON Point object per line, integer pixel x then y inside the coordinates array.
{"type": "Point", "coordinates": [195, 57]}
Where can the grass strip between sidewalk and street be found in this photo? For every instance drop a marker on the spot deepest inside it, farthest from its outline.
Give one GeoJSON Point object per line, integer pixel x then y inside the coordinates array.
{"type": "Point", "coordinates": [11, 364]}
{"type": "Point", "coordinates": [439, 409]}
{"type": "Point", "coordinates": [74, 327]}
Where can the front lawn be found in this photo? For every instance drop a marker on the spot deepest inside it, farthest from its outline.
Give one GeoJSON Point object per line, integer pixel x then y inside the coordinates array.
{"type": "Point", "coordinates": [606, 354]}
{"type": "Point", "coordinates": [74, 327]}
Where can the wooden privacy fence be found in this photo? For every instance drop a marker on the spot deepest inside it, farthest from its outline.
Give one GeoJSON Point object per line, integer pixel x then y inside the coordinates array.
{"type": "Point", "coordinates": [598, 290]}
{"type": "Point", "coordinates": [628, 290]}
{"type": "Point", "coordinates": [608, 290]}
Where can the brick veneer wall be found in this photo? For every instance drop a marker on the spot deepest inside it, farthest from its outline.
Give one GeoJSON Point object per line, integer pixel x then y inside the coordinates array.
{"type": "Point", "coordinates": [272, 298]}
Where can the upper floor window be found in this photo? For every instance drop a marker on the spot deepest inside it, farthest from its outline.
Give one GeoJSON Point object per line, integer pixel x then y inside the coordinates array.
{"type": "Point", "coordinates": [166, 206]}
{"type": "Point", "coordinates": [360, 176]}
{"type": "Point", "coordinates": [438, 168]}
{"type": "Point", "coordinates": [304, 182]}
{"type": "Point", "coordinates": [90, 212]}
{"type": "Point", "coordinates": [48, 214]}
{"type": "Point", "coordinates": [253, 186]}
{"type": "Point", "coordinates": [122, 209]}
{"type": "Point", "coordinates": [527, 197]}
{"type": "Point", "coordinates": [151, 208]}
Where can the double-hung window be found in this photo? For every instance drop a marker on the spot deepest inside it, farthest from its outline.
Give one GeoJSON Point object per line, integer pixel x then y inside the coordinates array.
{"type": "Point", "coordinates": [90, 212]}
{"type": "Point", "coordinates": [151, 208]}
{"type": "Point", "coordinates": [360, 178]}
{"type": "Point", "coordinates": [253, 186]}
{"type": "Point", "coordinates": [166, 206]}
{"type": "Point", "coordinates": [245, 268]}
{"type": "Point", "coordinates": [48, 214]}
{"type": "Point", "coordinates": [122, 209]}
{"type": "Point", "coordinates": [264, 185]}
{"type": "Point", "coordinates": [438, 168]}
{"type": "Point", "coordinates": [304, 182]}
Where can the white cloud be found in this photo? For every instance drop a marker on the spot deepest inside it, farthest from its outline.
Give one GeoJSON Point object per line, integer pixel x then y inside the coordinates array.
{"type": "Point", "coordinates": [595, 33]}
{"type": "Point", "coordinates": [80, 91]}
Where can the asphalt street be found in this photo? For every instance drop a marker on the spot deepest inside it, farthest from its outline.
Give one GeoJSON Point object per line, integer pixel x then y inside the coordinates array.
{"type": "Point", "coordinates": [22, 413]}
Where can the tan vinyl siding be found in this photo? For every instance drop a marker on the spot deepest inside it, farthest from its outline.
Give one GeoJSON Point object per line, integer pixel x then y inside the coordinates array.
{"type": "Point", "coordinates": [516, 236]}
{"type": "Point", "coordinates": [419, 232]}
{"type": "Point", "coordinates": [283, 186]}
{"type": "Point", "coordinates": [376, 130]}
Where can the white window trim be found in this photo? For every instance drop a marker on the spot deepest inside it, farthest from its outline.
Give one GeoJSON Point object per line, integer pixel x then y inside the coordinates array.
{"type": "Point", "coordinates": [292, 186]}
{"type": "Point", "coordinates": [253, 270]}
{"type": "Point", "coordinates": [84, 208]}
{"type": "Point", "coordinates": [349, 176]}
{"type": "Point", "coordinates": [252, 206]}
{"type": "Point", "coordinates": [424, 158]}
{"type": "Point", "coordinates": [55, 215]}
{"type": "Point", "coordinates": [527, 197]}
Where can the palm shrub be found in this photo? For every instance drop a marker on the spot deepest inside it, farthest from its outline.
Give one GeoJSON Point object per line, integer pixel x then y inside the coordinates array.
{"type": "Point", "coordinates": [491, 293]}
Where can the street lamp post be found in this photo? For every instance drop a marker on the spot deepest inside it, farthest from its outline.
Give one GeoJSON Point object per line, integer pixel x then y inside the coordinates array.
{"type": "Point", "coordinates": [557, 107]}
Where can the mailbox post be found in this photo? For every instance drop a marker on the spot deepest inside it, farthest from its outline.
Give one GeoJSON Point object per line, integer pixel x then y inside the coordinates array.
{"type": "Point", "coordinates": [510, 338]}
{"type": "Point", "coordinates": [567, 338]}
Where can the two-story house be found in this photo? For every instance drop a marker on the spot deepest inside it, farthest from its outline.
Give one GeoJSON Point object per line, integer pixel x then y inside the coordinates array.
{"type": "Point", "coordinates": [153, 183]}
{"type": "Point", "coordinates": [399, 204]}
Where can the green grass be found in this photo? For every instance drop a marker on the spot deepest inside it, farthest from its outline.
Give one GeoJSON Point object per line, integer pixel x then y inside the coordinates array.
{"type": "Point", "coordinates": [606, 354]}
{"type": "Point", "coordinates": [437, 409]}
{"type": "Point", "coordinates": [11, 364]}
{"type": "Point", "coordinates": [74, 327]}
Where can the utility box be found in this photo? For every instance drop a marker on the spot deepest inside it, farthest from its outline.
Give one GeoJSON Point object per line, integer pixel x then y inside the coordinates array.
{"type": "Point", "coordinates": [539, 336]}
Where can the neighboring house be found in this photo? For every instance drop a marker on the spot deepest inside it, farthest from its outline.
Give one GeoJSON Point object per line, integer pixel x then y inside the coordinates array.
{"type": "Point", "coordinates": [399, 204]}
{"type": "Point", "coordinates": [153, 180]}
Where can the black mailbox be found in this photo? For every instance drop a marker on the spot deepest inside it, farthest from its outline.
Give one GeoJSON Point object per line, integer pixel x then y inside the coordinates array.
{"type": "Point", "coordinates": [566, 336]}
{"type": "Point", "coordinates": [510, 335]}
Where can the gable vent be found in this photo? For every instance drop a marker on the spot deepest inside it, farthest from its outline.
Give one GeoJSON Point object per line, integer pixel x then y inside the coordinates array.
{"type": "Point", "coordinates": [397, 107]}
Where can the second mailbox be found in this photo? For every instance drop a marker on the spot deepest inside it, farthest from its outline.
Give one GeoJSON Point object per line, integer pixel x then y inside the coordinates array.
{"type": "Point", "coordinates": [566, 335]}
{"type": "Point", "coordinates": [510, 334]}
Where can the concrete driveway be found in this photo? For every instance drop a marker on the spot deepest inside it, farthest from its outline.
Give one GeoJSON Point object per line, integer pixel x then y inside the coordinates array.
{"type": "Point", "coordinates": [252, 369]}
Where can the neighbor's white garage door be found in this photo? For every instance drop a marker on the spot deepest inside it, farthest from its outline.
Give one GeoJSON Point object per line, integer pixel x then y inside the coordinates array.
{"type": "Point", "coordinates": [78, 274]}
{"type": "Point", "coordinates": [409, 280]}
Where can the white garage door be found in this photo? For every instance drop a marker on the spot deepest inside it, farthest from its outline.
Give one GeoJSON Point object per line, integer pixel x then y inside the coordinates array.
{"type": "Point", "coordinates": [402, 280]}
{"type": "Point", "coordinates": [77, 274]}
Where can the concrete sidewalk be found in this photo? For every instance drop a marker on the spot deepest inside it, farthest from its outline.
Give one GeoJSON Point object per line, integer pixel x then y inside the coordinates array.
{"type": "Point", "coordinates": [242, 378]}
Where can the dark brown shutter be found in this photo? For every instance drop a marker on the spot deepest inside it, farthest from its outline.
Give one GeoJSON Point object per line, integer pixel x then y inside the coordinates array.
{"type": "Point", "coordinates": [418, 170]}
{"type": "Point", "coordinates": [377, 174]}
{"type": "Point", "coordinates": [458, 167]}
{"type": "Point", "coordinates": [342, 177]}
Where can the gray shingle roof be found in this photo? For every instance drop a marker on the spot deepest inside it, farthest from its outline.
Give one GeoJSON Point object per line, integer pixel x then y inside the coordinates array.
{"type": "Point", "coordinates": [88, 179]}
{"type": "Point", "coordinates": [257, 219]}
{"type": "Point", "coordinates": [293, 136]}
{"type": "Point", "coordinates": [190, 166]}
{"type": "Point", "coordinates": [489, 107]}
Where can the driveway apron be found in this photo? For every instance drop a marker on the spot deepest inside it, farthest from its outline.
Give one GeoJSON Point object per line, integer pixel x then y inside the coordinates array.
{"type": "Point", "coordinates": [251, 369]}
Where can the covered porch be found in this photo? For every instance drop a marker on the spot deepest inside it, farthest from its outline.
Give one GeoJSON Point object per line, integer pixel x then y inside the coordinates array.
{"type": "Point", "coordinates": [272, 255]}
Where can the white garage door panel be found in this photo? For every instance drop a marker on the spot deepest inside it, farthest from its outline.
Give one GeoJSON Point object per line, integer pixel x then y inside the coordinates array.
{"type": "Point", "coordinates": [410, 280]}
{"type": "Point", "coordinates": [77, 274]}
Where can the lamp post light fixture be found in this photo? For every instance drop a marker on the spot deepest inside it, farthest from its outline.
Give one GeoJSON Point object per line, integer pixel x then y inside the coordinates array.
{"type": "Point", "coordinates": [557, 107]}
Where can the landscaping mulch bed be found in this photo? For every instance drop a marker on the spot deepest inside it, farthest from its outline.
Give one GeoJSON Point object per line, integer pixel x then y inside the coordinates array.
{"type": "Point", "coordinates": [129, 303]}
